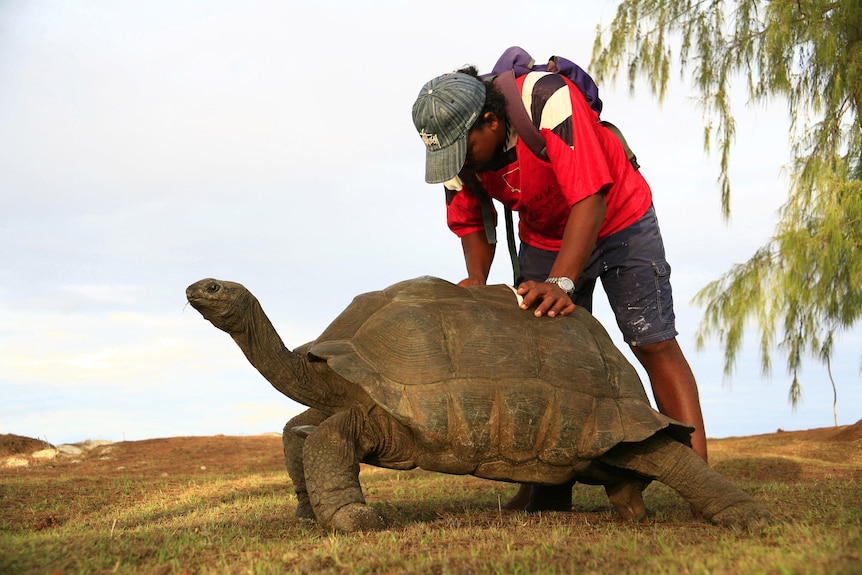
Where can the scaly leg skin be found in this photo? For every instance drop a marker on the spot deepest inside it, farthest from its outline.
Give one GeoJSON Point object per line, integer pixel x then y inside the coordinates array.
{"type": "Point", "coordinates": [678, 467]}
{"type": "Point", "coordinates": [627, 499]}
{"type": "Point", "coordinates": [293, 443]}
{"type": "Point", "coordinates": [332, 476]}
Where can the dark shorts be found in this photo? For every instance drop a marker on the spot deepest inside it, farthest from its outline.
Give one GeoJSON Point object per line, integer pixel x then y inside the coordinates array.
{"type": "Point", "coordinates": [635, 276]}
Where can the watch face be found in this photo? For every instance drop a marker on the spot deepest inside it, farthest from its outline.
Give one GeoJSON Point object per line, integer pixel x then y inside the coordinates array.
{"type": "Point", "coordinates": [566, 284]}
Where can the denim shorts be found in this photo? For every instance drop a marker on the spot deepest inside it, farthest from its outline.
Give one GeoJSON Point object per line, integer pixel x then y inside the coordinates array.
{"type": "Point", "coordinates": [635, 276]}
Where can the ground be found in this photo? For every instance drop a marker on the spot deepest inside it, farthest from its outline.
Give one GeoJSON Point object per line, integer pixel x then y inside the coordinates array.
{"type": "Point", "coordinates": [224, 504]}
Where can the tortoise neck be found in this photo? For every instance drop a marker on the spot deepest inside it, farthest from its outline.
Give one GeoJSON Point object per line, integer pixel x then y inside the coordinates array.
{"type": "Point", "coordinates": [290, 373]}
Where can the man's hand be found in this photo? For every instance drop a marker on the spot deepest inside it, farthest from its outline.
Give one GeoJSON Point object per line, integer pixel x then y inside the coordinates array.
{"type": "Point", "coordinates": [553, 301]}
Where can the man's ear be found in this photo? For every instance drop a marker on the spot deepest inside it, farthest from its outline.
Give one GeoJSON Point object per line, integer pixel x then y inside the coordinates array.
{"type": "Point", "coordinates": [492, 121]}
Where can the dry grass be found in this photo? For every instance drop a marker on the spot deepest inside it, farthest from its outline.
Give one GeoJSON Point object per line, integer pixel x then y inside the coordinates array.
{"type": "Point", "coordinates": [224, 505]}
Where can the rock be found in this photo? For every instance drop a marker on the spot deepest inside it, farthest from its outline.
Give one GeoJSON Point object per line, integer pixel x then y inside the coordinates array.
{"type": "Point", "coordinates": [14, 461]}
{"type": "Point", "coordinates": [69, 449]}
{"type": "Point", "coordinates": [45, 454]}
{"type": "Point", "coordinates": [22, 451]}
{"type": "Point", "coordinates": [91, 444]}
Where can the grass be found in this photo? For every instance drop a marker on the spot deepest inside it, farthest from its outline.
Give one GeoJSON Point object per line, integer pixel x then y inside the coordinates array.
{"type": "Point", "coordinates": [224, 505]}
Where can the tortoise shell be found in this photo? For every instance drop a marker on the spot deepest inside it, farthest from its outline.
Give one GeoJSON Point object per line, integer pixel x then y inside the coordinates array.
{"type": "Point", "coordinates": [475, 376]}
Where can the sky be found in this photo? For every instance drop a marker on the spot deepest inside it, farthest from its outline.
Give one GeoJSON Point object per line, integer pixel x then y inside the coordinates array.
{"type": "Point", "coordinates": [147, 145]}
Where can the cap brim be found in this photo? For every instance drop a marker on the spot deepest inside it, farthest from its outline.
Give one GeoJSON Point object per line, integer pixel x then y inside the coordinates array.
{"type": "Point", "coordinates": [444, 164]}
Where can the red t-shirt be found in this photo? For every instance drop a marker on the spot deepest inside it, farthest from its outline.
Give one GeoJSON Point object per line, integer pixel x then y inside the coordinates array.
{"type": "Point", "coordinates": [584, 158]}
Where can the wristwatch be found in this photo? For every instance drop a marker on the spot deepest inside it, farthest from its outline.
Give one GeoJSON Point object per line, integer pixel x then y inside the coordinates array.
{"type": "Point", "coordinates": [565, 284]}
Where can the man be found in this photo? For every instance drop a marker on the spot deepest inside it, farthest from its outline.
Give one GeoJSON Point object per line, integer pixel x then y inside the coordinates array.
{"type": "Point", "coordinates": [584, 213]}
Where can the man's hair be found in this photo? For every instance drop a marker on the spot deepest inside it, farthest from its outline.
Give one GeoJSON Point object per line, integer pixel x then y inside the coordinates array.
{"type": "Point", "coordinates": [494, 100]}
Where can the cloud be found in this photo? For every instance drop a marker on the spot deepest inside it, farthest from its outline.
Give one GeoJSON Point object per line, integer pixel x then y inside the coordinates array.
{"type": "Point", "coordinates": [103, 293]}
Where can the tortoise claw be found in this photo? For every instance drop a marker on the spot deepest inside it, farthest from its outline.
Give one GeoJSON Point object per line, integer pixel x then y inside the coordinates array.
{"type": "Point", "coordinates": [356, 517]}
{"type": "Point", "coordinates": [303, 431]}
{"type": "Point", "coordinates": [748, 516]}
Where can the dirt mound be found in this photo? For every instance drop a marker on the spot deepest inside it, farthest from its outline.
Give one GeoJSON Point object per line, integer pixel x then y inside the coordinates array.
{"type": "Point", "coordinates": [850, 432]}
{"type": "Point", "coordinates": [838, 433]}
{"type": "Point", "coordinates": [17, 444]}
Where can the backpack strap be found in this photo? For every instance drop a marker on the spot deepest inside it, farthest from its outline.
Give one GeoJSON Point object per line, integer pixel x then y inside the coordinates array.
{"type": "Point", "coordinates": [472, 183]}
{"type": "Point", "coordinates": [513, 251]}
{"type": "Point", "coordinates": [629, 153]}
{"type": "Point", "coordinates": [518, 115]}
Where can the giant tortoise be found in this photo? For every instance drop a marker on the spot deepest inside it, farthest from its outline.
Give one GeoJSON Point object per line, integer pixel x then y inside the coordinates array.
{"type": "Point", "coordinates": [460, 380]}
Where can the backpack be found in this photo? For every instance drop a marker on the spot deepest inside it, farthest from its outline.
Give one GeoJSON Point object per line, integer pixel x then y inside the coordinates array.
{"type": "Point", "coordinates": [513, 63]}
{"type": "Point", "coordinates": [516, 62]}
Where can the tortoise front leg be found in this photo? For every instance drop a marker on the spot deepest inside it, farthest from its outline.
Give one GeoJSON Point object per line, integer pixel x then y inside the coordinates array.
{"type": "Point", "coordinates": [293, 443]}
{"type": "Point", "coordinates": [331, 462]}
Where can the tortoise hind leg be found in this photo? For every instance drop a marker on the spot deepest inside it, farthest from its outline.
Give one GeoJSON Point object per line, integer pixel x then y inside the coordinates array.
{"type": "Point", "coordinates": [293, 443]}
{"type": "Point", "coordinates": [678, 467]}
{"type": "Point", "coordinates": [331, 461]}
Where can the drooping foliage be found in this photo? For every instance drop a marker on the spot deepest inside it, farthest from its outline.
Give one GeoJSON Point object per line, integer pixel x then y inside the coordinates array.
{"type": "Point", "coordinates": [805, 285]}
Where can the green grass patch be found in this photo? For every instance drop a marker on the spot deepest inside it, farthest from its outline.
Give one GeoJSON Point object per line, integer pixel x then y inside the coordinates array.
{"type": "Point", "coordinates": [98, 517]}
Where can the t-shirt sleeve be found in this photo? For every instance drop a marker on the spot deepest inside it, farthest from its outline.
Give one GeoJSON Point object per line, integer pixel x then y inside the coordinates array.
{"type": "Point", "coordinates": [464, 212]}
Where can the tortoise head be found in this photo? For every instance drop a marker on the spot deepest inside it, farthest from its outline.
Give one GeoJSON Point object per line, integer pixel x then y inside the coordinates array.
{"type": "Point", "coordinates": [225, 304]}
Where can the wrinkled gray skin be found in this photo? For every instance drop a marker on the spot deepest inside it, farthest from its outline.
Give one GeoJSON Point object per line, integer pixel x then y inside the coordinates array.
{"type": "Point", "coordinates": [431, 375]}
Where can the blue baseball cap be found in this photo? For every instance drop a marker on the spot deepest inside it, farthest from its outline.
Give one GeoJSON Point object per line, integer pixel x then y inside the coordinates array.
{"type": "Point", "coordinates": [445, 110]}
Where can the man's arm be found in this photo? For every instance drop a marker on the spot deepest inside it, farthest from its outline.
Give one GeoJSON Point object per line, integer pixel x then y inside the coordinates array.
{"type": "Point", "coordinates": [478, 255]}
{"type": "Point", "coordinates": [579, 239]}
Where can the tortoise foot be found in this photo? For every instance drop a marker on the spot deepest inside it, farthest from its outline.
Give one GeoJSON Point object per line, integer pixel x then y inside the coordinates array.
{"type": "Point", "coordinates": [627, 499]}
{"type": "Point", "coordinates": [304, 510]}
{"type": "Point", "coordinates": [356, 517]}
{"type": "Point", "coordinates": [744, 516]}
